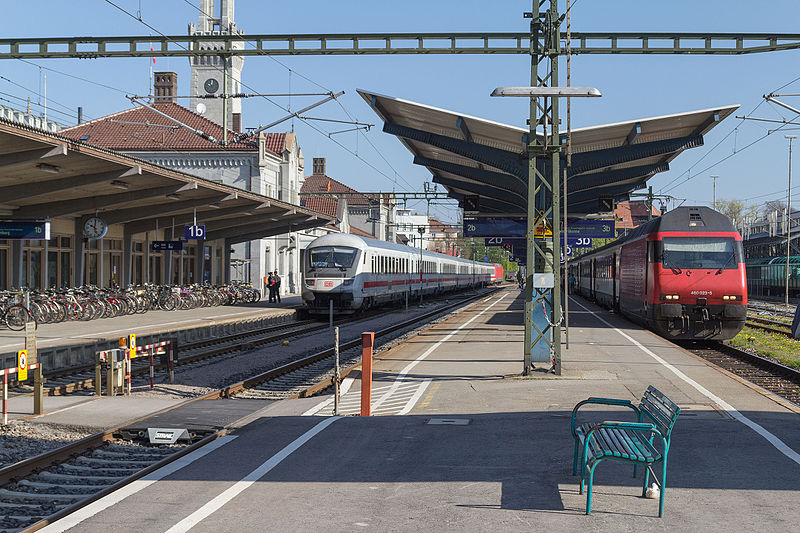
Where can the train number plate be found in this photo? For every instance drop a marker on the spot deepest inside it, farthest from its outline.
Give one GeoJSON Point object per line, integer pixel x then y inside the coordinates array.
{"type": "Point", "coordinates": [327, 284]}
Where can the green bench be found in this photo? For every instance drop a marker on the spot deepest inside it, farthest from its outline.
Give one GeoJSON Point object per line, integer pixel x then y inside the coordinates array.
{"type": "Point", "coordinates": [631, 442]}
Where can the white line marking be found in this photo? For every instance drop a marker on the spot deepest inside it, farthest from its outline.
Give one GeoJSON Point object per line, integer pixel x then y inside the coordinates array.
{"type": "Point", "coordinates": [128, 490]}
{"type": "Point", "coordinates": [346, 383]}
{"type": "Point", "coordinates": [205, 511]}
{"type": "Point", "coordinates": [771, 438]}
{"type": "Point", "coordinates": [417, 395]}
{"type": "Point", "coordinates": [415, 362]}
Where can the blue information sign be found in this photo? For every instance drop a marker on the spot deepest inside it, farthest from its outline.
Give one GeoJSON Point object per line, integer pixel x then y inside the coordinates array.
{"type": "Point", "coordinates": [24, 229]}
{"type": "Point", "coordinates": [160, 246]}
{"type": "Point", "coordinates": [502, 241]}
{"type": "Point", "coordinates": [598, 229]}
{"type": "Point", "coordinates": [579, 242]}
{"type": "Point", "coordinates": [194, 232]}
{"type": "Point", "coordinates": [495, 227]}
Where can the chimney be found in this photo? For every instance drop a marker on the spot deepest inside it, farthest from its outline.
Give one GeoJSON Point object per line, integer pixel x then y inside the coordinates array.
{"type": "Point", "coordinates": [319, 166]}
{"type": "Point", "coordinates": [165, 87]}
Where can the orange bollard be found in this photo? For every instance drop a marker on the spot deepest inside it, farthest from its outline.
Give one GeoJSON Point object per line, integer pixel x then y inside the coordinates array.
{"type": "Point", "coordinates": [367, 340]}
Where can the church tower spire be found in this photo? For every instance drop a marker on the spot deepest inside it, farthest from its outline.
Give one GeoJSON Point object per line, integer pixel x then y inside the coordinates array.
{"type": "Point", "coordinates": [207, 71]}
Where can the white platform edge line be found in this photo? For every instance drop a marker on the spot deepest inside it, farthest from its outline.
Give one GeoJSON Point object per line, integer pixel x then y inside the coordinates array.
{"type": "Point", "coordinates": [231, 492]}
{"type": "Point", "coordinates": [725, 406]}
{"type": "Point", "coordinates": [415, 362]}
{"type": "Point", "coordinates": [128, 490]}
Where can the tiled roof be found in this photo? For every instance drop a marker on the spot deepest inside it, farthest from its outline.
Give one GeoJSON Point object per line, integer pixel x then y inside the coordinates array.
{"type": "Point", "coordinates": [361, 233]}
{"type": "Point", "coordinates": [141, 128]}
{"type": "Point", "coordinates": [632, 213]}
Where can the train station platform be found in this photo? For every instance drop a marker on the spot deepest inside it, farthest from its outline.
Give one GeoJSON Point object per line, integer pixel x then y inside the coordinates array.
{"type": "Point", "coordinates": [462, 442]}
{"type": "Point", "coordinates": [71, 343]}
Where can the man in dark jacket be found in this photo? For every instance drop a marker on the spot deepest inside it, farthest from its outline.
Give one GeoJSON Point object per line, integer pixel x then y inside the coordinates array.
{"type": "Point", "coordinates": [271, 287]}
{"type": "Point", "coordinates": [277, 286]}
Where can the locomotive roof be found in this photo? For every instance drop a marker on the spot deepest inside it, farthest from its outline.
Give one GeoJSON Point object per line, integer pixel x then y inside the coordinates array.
{"type": "Point", "coordinates": [356, 241]}
{"type": "Point", "coordinates": [689, 218]}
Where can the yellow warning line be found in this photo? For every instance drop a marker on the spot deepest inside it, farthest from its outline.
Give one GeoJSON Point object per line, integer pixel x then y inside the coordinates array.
{"type": "Point", "coordinates": [428, 397]}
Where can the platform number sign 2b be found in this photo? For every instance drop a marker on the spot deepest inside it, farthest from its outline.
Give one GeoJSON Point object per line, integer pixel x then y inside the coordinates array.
{"type": "Point", "coordinates": [194, 232]}
{"type": "Point", "coordinates": [22, 365]}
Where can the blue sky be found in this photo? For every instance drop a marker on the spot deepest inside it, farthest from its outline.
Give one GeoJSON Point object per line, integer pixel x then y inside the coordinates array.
{"type": "Point", "coordinates": [633, 86]}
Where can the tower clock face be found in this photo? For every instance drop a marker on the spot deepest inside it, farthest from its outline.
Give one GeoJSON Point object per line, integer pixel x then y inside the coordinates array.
{"type": "Point", "coordinates": [211, 85]}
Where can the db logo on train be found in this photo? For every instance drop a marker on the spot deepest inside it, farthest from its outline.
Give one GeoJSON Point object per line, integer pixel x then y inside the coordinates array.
{"type": "Point", "coordinates": [327, 284]}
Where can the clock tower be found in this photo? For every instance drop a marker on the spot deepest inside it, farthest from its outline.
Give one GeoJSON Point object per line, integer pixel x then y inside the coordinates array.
{"type": "Point", "coordinates": [207, 71]}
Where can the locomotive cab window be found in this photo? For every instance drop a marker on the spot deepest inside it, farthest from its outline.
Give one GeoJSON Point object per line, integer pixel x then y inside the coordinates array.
{"type": "Point", "coordinates": [332, 257]}
{"type": "Point", "coordinates": [721, 253]}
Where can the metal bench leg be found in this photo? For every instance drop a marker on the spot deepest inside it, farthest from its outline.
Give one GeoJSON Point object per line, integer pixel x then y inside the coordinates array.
{"type": "Point", "coordinates": [635, 467]}
{"type": "Point", "coordinates": [575, 459]}
{"type": "Point", "coordinates": [589, 488]}
{"type": "Point", "coordinates": [663, 489]}
{"type": "Point", "coordinates": [646, 480]}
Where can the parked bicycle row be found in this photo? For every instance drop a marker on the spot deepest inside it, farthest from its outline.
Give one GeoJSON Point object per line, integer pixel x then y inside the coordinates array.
{"type": "Point", "coordinates": [88, 303]}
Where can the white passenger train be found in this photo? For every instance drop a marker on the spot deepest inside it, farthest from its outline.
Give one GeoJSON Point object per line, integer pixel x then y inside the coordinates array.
{"type": "Point", "coordinates": [357, 273]}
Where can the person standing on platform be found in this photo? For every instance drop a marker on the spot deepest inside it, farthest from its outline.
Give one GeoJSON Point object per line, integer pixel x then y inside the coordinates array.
{"type": "Point", "coordinates": [271, 287]}
{"type": "Point", "coordinates": [571, 283]}
{"type": "Point", "coordinates": [277, 286]}
{"type": "Point", "coordinates": [519, 278]}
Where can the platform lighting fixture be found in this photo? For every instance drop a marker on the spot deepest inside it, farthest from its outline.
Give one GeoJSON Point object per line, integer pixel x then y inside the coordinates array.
{"type": "Point", "coordinates": [174, 196]}
{"type": "Point", "coordinates": [216, 206]}
{"type": "Point", "coordinates": [547, 92]}
{"type": "Point", "coordinates": [120, 185]}
{"type": "Point", "coordinates": [52, 169]}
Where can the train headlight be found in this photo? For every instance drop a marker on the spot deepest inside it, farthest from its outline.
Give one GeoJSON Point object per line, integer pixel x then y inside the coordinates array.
{"type": "Point", "coordinates": [347, 282]}
{"type": "Point", "coordinates": [669, 296]}
{"type": "Point", "coordinates": [732, 298]}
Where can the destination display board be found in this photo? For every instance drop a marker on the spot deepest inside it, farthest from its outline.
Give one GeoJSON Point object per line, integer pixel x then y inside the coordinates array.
{"type": "Point", "coordinates": [495, 227]}
{"type": "Point", "coordinates": [24, 229]}
{"type": "Point", "coordinates": [597, 229]}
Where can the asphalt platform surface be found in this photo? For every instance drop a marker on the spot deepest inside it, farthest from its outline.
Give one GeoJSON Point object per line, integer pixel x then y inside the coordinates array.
{"type": "Point", "coordinates": [461, 442]}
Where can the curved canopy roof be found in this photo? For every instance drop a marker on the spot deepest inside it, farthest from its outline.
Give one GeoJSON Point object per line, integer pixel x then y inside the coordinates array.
{"type": "Point", "coordinates": [475, 156]}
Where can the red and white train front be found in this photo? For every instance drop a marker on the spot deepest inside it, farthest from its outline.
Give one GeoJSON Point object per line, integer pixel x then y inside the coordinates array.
{"type": "Point", "coordinates": [683, 275]}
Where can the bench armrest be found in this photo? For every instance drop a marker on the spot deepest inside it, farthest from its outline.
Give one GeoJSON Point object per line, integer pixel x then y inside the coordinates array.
{"type": "Point", "coordinates": [603, 401]}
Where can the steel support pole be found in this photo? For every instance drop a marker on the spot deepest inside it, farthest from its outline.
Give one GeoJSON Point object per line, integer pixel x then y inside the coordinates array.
{"type": "Point", "coordinates": [336, 371]}
{"type": "Point", "coordinates": [789, 217]}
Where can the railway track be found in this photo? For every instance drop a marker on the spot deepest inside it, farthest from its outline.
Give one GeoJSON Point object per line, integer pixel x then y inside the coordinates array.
{"type": "Point", "coordinates": [39, 490]}
{"type": "Point", "coordinates": [772, 326]}
{"type": "Point", "coordinates": [81, 379]}
{"type": "Point", "coordinates": [765, 373]}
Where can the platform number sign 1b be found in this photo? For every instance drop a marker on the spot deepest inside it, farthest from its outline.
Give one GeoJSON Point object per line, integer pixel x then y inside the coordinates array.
{"type": "Point", "coordinates": [22, 365]}
{"type": "Point", "coordinates": [194, 232]}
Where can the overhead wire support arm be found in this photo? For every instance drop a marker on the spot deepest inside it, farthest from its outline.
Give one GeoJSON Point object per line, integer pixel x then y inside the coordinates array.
{"type": "Point", "coordinates": [199, 133]}
{"type": "Point", "coordinates": [392, 44]}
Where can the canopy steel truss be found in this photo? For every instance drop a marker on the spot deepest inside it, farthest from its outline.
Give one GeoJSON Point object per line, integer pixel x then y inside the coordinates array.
{"type": "Point", "coordinates": [390, 44]}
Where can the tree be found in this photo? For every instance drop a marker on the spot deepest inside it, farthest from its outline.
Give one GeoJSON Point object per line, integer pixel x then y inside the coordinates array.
{"type": "Point", "coordinates": [733, 209]}
{"type": "Point", "coordinates": [774, 205]}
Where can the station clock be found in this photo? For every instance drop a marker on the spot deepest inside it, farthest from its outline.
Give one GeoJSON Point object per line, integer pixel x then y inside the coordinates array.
{"type": "Point", "coordinates": [95, 228]}
{"type": "Point", "coordinates": [211, 85]}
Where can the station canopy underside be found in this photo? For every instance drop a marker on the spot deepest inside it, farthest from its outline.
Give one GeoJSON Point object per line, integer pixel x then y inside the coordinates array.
{"type": "Point", "coordinates": [472, 156]}
{"type": "Point", "coordinates": [45, 175]}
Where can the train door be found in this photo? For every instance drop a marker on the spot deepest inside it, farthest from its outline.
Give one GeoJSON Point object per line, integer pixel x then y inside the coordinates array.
{"type": "Point", "coordinates": [592, 276]}
{"type": "Point", "coordinates": [615, 278]}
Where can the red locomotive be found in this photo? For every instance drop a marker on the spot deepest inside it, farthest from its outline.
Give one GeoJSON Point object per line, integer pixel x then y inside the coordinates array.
{"type": "Point", "coordinates": [682, 275]}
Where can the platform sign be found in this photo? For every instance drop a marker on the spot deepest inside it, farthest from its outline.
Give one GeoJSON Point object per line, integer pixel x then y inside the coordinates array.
{"type": "Point", "coordinates": [543, 230]}
{"type": "Point", "coordinates": [160, 246]}
{"type": "Point", "coordinates": [568, 254]}
{"type": "Point", "coordinates": [194, 232]}
{"type": "Point", "coordinates": [579, 242]}
{"type": "Point", "coordinates": [495, 227]}
{"type": "Point", "coordinates": [503, 241]}
{"type": "Point", "coordinates": [598, 229]}
{"type": "Point", "coordinates": [22, 365]}
{"type": "Point", "coordinates": [24, 229]}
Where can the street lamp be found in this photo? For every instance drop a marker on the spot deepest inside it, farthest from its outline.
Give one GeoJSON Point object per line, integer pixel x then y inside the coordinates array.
{"type": "Point", "coordinates": [535, 150]}
{"type": "Point", "coordinates": [789, 214]}
{"type": "Point", "coordinates": [714, 204]}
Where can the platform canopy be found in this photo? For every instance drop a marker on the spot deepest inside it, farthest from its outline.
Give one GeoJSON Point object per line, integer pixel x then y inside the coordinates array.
{"type": "Point", "coordinates": [48, 175]}
{"type": "Point", "coordinates": [472, 156]}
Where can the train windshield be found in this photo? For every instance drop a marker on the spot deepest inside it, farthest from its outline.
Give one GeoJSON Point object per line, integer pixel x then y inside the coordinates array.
{"type": "Point", "coordinates": [332, 257]}
{"type": "Point", "coordinates": [700, 252]}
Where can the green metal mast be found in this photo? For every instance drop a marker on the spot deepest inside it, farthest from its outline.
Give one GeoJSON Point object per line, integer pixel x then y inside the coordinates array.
{"type": "Point", "coordinates": [542, 293]}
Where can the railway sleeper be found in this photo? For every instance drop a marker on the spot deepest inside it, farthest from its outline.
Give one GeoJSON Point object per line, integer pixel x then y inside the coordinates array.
{"type": "Point", "coordinates": [43, 487]}
{"type": "Point", "coordinates": [7, 494]}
